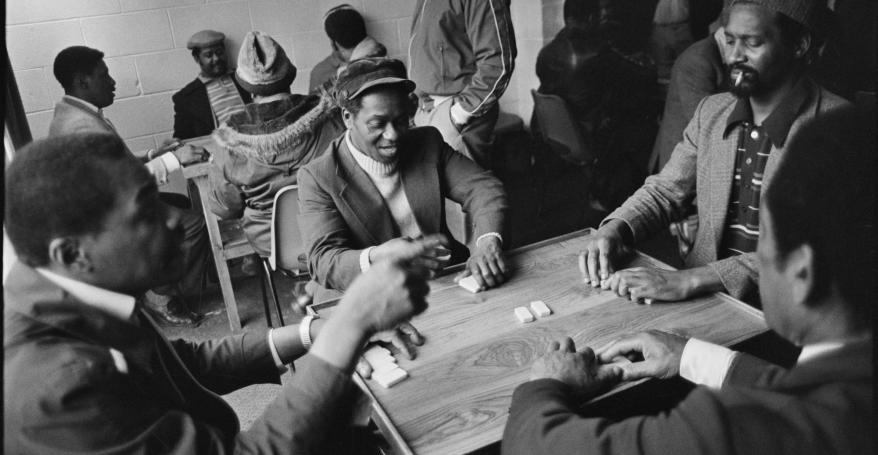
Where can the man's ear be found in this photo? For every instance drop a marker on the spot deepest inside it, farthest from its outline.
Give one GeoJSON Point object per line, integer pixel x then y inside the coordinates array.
{"type": "Point", "coordinates": [801, 272]}
{"type": "Point", "coordinates": [348, 118]}
{"type": "Point", "coordinates": [803, 45]}
{"type": "Point", "coordinates": [67, 253]}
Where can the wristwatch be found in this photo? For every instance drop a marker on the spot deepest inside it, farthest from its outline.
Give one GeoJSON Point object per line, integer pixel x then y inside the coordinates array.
{"type": "Point", "coordinates": [305, 330]}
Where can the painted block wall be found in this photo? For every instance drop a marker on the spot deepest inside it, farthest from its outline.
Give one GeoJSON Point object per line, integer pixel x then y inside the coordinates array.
{"type": "Point", "coordinates": [145, 46]}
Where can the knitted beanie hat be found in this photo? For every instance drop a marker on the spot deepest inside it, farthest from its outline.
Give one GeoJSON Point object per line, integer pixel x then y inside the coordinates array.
{"type": "Point", "coordinates": [263, 66]}
{"type": "Point", "coordinates": [806, 12]}
{"type": "Point", "coordinates": [344, 25]}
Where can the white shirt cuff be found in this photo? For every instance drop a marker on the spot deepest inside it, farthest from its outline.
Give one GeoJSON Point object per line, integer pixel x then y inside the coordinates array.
{"type": "Point", "coordinates": [490, 234]}
{"type": "Point", "coordinates": [460, 116]}
{"type": "Point", "coordinates": [365, 263]}
{"type": "Point", "coordinates": [705, 363]}
{"type": "Point", "coordinates": [274, 355]}
{"type": "Point", "coordinates": [171, 162]}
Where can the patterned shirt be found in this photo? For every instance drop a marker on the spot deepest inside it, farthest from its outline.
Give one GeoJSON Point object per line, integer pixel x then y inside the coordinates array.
{"type": "Point", "coordinates": [755, 143]}
{"type": "Point", "coordinates": [224, 97]}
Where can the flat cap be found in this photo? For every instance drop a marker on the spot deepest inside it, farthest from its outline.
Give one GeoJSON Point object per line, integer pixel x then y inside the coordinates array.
{"type": "Point", "coordinates": [370, 72]}
{"type": "Point", "coordinates": [205, 38]}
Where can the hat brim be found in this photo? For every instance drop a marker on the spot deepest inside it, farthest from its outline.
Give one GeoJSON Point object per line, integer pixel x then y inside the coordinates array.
{"type": "Point", "coordinates": [282, 85]}
{"type": "Point", "coordinates": [407, 84]}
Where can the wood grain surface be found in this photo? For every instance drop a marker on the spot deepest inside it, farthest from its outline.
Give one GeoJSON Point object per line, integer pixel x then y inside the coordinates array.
{"type": "Point", "coordinates": [460, 386]}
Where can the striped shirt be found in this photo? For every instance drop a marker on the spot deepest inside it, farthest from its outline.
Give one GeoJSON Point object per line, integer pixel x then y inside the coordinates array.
{"type": "Point", "coordinates": [224, 97]}
{"type": "Point", "coordinates": [755, 143]}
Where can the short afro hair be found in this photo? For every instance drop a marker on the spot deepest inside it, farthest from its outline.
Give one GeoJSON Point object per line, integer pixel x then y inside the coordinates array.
{"type": "Point", "coordinates": [73, 61]}
{"type": "Point", "coordinates": [345, 26]}
{"type": "Point", "coordinates": [823, 195]}
{"type": "Point", "coordinates": [62, 186]}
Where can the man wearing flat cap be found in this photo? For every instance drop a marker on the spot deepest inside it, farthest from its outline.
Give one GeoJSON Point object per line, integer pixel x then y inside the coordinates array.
{"type": "Point", "coordinates": [378, 191]}
{"type": "Point", "coordinates": [214, 95]}
{"type": "Point", "coordinates": [726, 157]}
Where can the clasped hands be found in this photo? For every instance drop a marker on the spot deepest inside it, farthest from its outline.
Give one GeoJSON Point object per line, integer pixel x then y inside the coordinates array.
{"type": "Point", "coordinates": [653, 354]}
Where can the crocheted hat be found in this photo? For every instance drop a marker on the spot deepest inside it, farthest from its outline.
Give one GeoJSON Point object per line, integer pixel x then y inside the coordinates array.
{"type": "Point", "coordinates": [263, 66]}
{"type": "Point", "coordinates": [369, 72]}
{"type": "Point", "coordinates": [806, 12]}
{"type": "Point", "coordinates": [344, 25]}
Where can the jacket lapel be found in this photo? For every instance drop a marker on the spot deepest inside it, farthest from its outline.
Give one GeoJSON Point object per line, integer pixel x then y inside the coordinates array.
{"type": "Point", "coordinates": [362, 199]}
{"type": "Point", "coordinates": [722, 174]}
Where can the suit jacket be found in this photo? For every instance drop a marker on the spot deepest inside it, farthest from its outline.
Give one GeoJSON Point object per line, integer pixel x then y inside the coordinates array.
{"type": "Point", "coordinates": [824, 405]}
{"type": "Point", "coordinates": [193, 116]}
{"type": "Point", "coordinates": [342, 211]}
{"type": "Point", "coordinates": [73, 117]}
{"type": "Point", "coordinates": [702, 168]}
{"type": "Point", "coordinates": [65, 391]}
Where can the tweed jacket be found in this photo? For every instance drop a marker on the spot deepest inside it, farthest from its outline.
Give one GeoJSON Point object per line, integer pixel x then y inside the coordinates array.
{"type": "Point", "coordinates": [342, 212]}
{"type": "Point", "coordinates": [261, 149]}
{"type": "Point", "coordinates": [72, 116]}
{"type": "Point", "coordinates": [80, 380]}
{"type": "Point", "coordinates": [193, 116]}
{"type": "Point", "coordinates": [821, 406]}
{"type": "Point", "coordinates": [702, 168]}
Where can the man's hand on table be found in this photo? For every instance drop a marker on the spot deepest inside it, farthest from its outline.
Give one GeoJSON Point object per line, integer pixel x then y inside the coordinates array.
{"type": "Point", "coordinates": [660, 352]}
{"type": "Point", "coordinates": [486, 264]}
{"type": "Point", "coordinates": [405, 337]}
{"type": "Point", "coordinates": [583, 371]}
{"type": "Point", "coordinates": [429, 251]}
{"type": "Point", "coordinates": [383, 298]}
{"type": "Point", "coordinates": [647, 284]}
{"type": "Point", "coordinates": [188, 154]}
{"type": "Point", "coordinates": [603, 250]}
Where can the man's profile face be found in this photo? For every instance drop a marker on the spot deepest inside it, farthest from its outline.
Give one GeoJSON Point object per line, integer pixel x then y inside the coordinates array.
{"type": "Point", "coordinates": [139, 246]}
{"type": "Point", "coordinates": [383, 118]}
{"type": "Point", "coordinates": [757, 59]}
{"type": "Point", "coordinates": [100, 86]}
{"type": "Point", "coordinates": [212, 60]}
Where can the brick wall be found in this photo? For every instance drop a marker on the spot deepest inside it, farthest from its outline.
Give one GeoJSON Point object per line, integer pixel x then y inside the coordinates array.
{"type": "Point", "coordinates": [145, 46]}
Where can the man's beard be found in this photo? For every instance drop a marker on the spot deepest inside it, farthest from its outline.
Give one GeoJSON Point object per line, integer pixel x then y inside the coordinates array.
{"type": "Point", "coordinates": [743, 80]}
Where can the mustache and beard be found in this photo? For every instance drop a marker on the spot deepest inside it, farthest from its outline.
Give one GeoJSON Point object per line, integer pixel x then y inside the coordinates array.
{"type": "Point", "coordinates": [743, 81]}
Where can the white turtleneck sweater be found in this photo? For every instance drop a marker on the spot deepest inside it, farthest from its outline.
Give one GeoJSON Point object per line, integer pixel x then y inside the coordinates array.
{"type": "Point", "coordinates": [389, 184]}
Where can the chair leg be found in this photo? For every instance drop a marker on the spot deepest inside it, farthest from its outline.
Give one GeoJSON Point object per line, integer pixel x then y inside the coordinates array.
{"type": "Point", "coordinates": [270, 280]}
{"type": "Point", "coordinates": [265, 306]}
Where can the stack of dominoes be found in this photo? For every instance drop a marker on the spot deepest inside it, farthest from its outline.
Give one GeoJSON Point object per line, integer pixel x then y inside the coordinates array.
{"type": "Point", "coordinates": [385, 371]}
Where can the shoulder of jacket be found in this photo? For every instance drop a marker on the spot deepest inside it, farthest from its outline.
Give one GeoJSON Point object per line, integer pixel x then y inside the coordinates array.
{"type": "Point", "coordinates": [188, 89]}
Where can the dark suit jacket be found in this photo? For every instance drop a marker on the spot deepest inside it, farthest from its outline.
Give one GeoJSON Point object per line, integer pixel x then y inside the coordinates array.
{"type": "Point", "coordinates": [193, 116]}
{"type": "Point", "coordinates": [822, 406]}
{"type": "Point", "coordinates": [64, 393]}
{"type": "Point", "coordinates": [342, 211]}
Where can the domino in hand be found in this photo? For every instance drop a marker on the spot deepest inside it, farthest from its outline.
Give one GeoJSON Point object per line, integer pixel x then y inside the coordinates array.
{"type": "Point", "coordinates": [469, 283]}
{"type": "Point", "coordinates": [540, 309]}
{"type": "Point", "coordinates": [379, 359]}
{"type": "Point", "coordinates": [523, 315]}
{"type": "Point", "coordinates": [389, 378]}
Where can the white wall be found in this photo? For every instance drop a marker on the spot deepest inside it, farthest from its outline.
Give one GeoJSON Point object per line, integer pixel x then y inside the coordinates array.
{"type": "Point", "coordinates": [145, 46]}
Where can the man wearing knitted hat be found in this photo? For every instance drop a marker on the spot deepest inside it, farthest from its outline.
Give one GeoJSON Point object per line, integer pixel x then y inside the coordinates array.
{"type": "Point", "coordinates": [214, 95]}
{"type": "Point", "coordinates": [379, 188]}
{"type": "Point", "coordinates": [346, 30]}
{"type": "Point", "coordinates": [262, 147]}
{"type": "Point", "coordinates": [728, 153]}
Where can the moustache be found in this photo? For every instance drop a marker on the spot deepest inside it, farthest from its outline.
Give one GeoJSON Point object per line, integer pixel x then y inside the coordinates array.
{"type": "Point", "coordinates": [740, 74]}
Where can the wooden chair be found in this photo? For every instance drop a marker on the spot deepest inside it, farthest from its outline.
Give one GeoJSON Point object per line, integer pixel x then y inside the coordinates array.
{"type": "Point", "coordinates": [287, 244]}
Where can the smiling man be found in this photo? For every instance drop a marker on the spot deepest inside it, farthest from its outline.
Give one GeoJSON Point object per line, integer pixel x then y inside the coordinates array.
{"type": "Point", "coordinates": [214, 95]}
{"type": "Point", "coordinates": [381, 185]}
{"type": "Point", "coordinates": [817, 282]}
{"type": "Point", "coordinates": [727, 155]}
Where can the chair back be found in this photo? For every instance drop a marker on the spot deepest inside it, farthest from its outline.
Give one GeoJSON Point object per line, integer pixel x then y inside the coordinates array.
{"type": "Point", "coordinates": [559, 130]}
{"type": "Point", "coordinates": [287, 245]}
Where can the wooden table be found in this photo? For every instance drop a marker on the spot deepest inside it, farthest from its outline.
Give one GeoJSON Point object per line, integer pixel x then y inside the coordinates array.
{"type": "Point", "coordinates": [227, 241]}
{"type": "Point", "coordinates": [458, 394]}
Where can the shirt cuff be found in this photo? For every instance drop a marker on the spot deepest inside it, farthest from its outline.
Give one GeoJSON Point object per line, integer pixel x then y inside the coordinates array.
{"type": "Point", "coordinates": [489, 234]}
{"type": "Point", "coordinates": [365, 263]}
{"type": "Point", "coordinates": [460, 116]}
{"type": "Point", "coordinates": [171, 162]}
{"type": "Point", "coordinates": [706, 363]}
{"type": "Point", "coordinates": [274, 355]}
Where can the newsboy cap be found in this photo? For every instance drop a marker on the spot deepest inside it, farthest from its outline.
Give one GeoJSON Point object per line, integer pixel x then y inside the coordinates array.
{"type": "Point", "coordinates": [205, 38]}
{"type": "Point", "coordinates": [263, 66]}
{"type": "Point", "coordinates": [809, 13]}
{"type": "Point", "coordinates": [370, 72]}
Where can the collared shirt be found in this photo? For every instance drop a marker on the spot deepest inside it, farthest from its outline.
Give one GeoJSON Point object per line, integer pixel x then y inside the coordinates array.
{"type": "Point", "coordinates": [755, 143]}
{"type": "Point", "coordinates": [708, 364]}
